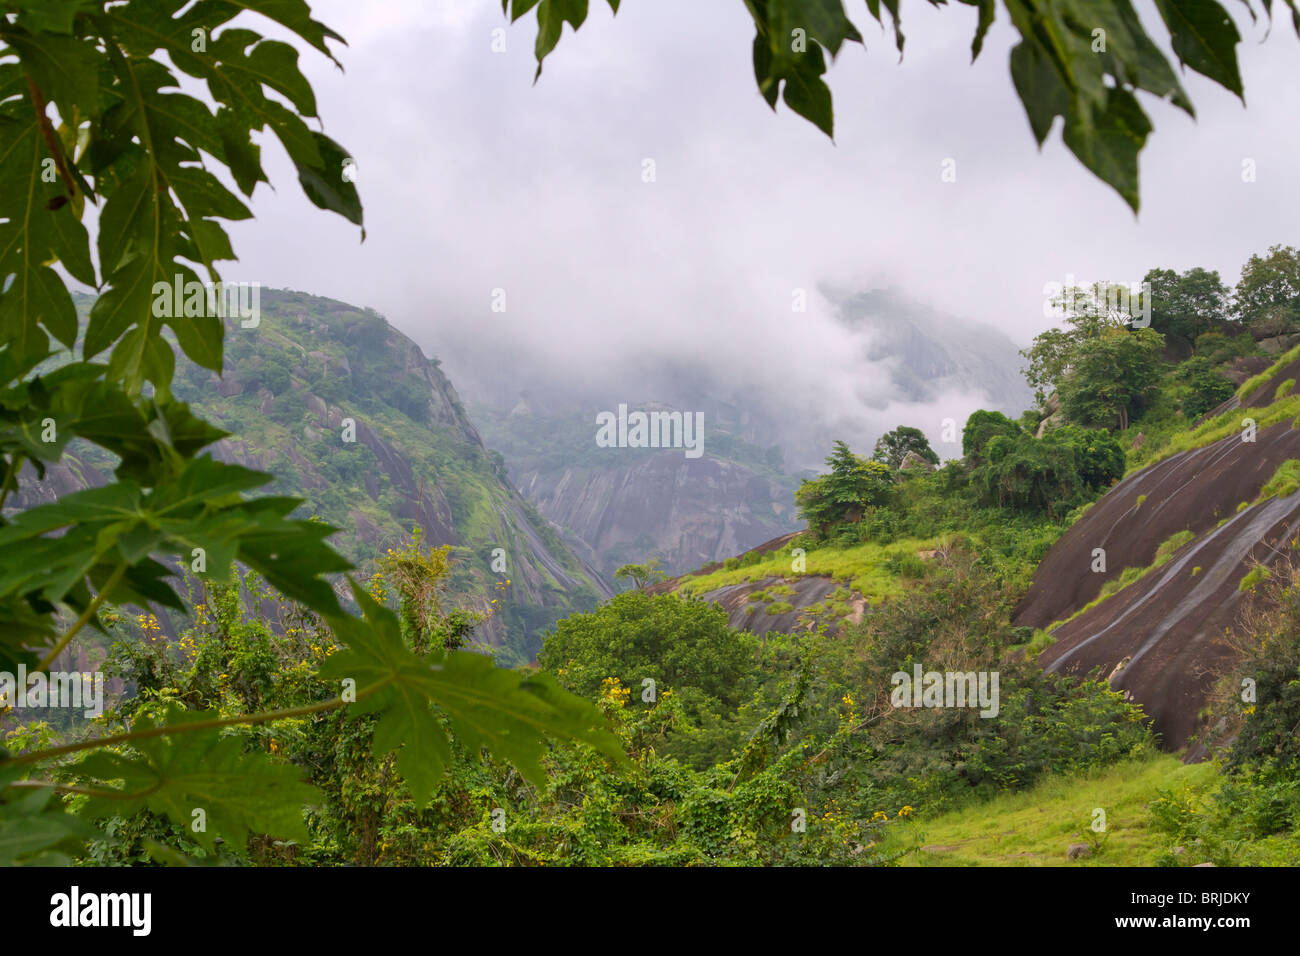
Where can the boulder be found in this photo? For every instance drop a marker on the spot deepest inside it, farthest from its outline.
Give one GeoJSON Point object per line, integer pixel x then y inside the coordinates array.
{"type": "Point", "coordinates": [914, 462]}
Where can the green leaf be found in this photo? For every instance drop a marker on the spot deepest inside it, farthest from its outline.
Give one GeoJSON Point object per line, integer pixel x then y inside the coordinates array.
{"type": "Point", "coordinates": [485, 706]}
{"type": "Point", "coordinates": [1205, 38]}
{"type": "Point", "coordinates": [325, 184]}
{"type": "Point", "coordinates": [823, 20]}
{"type": "Point", "coordinates": [51, 16]}
{"type": "Point", "coordinates": [518, 8]}
{"type": "Point", "coordinates": [987, 11]}
{"type": "Point", "coordinates": [551, 17]}
{"type": "Point", "coordinates": [121, 524]}
{"type": "Point", "coordinates": [239, 794]}
{"type": "Point", "coordinates": [34, 828]}
{"type": "Point", "coordinates": [292, 14]}
{"type": "Point", "coordinates": [1108, 142]}
{"type": "Point", "coordinates": [32, 236]}
{"type": "Point", "coordinates": [873, 7]}
{"type": "Point", "coordinates": [65, 68]}
{"type": "Point", "coordinates": [1039, 86]}
{"type": "Point", "coordinates": [807, 94]}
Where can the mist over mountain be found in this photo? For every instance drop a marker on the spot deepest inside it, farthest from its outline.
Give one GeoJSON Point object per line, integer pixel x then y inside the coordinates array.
{"type": "Point", "coordinates": [860, 364]}
{"type": "Point", "coordinates": [886, 361]}
{"type": "Point", "coordinates": [930, 353]}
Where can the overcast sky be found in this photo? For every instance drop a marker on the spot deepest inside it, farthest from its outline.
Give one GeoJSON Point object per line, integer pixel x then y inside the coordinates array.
{"type": "Point", "coordinates": [474, 179]}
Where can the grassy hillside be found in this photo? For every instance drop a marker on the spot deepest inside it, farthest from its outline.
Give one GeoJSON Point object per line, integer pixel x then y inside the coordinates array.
{"type": "Point", "coordinates": [291, 387]}
{"type": "Point", "coordinates": [1143, 801]}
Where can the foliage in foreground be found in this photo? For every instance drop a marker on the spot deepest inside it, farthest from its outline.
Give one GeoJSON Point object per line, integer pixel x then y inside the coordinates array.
{"type": "Point", "coordinates": [1082, 61]}
{"type": "Point", "coordinates": [148, 157]}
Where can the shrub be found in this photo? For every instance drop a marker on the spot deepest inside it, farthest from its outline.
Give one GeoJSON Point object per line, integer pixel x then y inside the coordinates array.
{"type": "Point", "coordinates": [1205, 387]}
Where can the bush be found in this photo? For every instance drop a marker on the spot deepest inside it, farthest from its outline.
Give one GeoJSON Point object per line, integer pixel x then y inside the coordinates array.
{"type": "Point", "coordinates": [289, 408]}
{"type": "Point", "coordinates": [684, 646]}
{"type": "Point", "coordinates": [1205, 387]}
{"type": "Point", "coordinates": [1051, 474]}
{"type": "Point", "coordinates": [1046, 723]}
{"type": "Point", "coordinates": [843, 495]}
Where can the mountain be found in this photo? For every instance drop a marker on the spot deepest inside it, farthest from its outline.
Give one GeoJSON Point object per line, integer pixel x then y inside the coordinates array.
{"type": "Point", "coordinates": [618, 504]}
{"type": "Point", "coordinates": [349, 414]}
{"type": "Point", "coordinates": [621, 505]}
{"type": "Point", "coordinates": [1202, 524]}
{"type": "Point", "coordinates": [1146, 587]}
{"type": "Point", "coordinates": [928, 352]}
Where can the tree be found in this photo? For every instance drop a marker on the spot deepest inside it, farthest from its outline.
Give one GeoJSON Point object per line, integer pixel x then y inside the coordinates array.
{"type": "Point", "coordinates": [1111, 377]}
{"type": "Point", "coordinates": [980, 427]}
{"type": "Point", "coordinates": [1086, 312]}
{"type": "Point", "coordinates": [149, 157]}
{"type": "Point", "coordinates": [1019, 471]}
{"type": "Point", "coordinates": [1267, 296]}
{"type": "Point", "coordinates": [1104, 364]}
{"type": "Point", "coordinates": [1189, 305]}
{"type": "Point", "coordinates": [1206, 388]}
{"type": "Point", "coordinates": [1098, 458]}
{"type": "Point", "coordinates": [842, 495]}
{"type": "Point", "coordinates": [641, 575]}
{"type": "Point", "coordinates": [1058, 68]}
{"type": "Point", "coordinates": [676, 642]}
{"type": "Point", "coordinates": [892, 447]}
{"type": "Point", "coordinates": [1048, 357]}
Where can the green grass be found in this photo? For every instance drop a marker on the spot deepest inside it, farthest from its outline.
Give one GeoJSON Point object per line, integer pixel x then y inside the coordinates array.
{"type": "Point", "coordinates": [1036, 827]}
{"type": "Point", "coordinates": [1253, 384]}
{"type": "Point", "coordinates": [1285, 406]}
{"type": "Point", "coordinates": [1257, 574]}
{"type": "Point", "coordinates": [1170, 545]}
{"type": "Point", "coordinates": [861, 568]}
{"type": "Point", "coordinates": [1040, 642]}
{"type": "Point", "coordinates": [1228, 423]}
{"type": "Point", "coordinates": [1284, 482]}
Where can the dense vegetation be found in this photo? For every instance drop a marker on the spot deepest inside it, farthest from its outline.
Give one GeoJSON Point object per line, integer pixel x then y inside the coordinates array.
{"type": "Point", "coordinates": [282, 727]}
{"type": "Point", "coordinates": [89, 116]}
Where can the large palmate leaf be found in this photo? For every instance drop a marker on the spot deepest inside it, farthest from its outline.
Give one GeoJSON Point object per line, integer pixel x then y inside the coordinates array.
{"type": "Point", "coordinates": [202, 781]}
{"type": "Point", "coordinates": [152, 439]}
{"type": "Point", "coordinates": [35, 831]}
{"type": "Point", "coordinates": [92, 112]}
{"type": "Point", "coordinates": [123, 528]}
{"type": "Point", "coordinates": [484, 706]}
{"type": "Point", "coordinates": [146, 152]}
{"type": "Point", "coordinates": [239, 66]}
{"type": "Point", "coordinates": [37, 228]}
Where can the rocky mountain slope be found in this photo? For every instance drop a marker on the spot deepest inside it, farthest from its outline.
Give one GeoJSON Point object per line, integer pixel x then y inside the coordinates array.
{"type": "Point", "coordinates": [350, 415]}
{"type": "Point", "coordinates": [621, 505]}
{"type": "Point", "coordinates": [928, 352]}
{"type": "Point", "coordinates": [1234, 506]}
